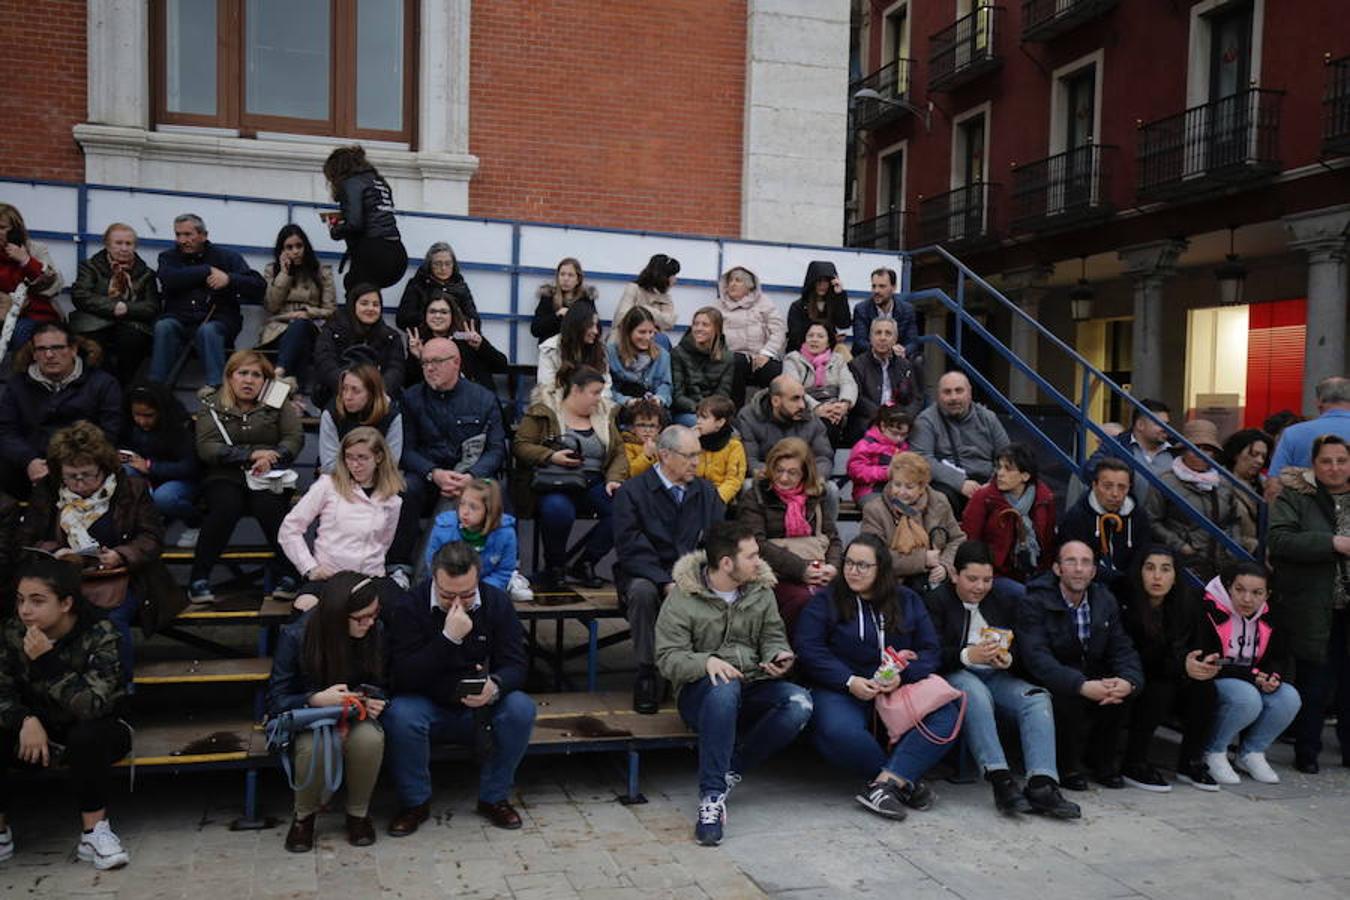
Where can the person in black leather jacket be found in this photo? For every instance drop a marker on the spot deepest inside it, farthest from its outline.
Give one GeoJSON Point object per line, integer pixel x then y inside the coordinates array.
{"type": "Point", "coordinates": [374, 247]}
{"type": "Point", "coordinates": [357, 333]}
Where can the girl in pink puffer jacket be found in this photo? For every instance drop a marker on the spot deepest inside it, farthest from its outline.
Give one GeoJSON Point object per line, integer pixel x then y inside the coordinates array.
{"type": "Point", "coordinates": [869, 461]}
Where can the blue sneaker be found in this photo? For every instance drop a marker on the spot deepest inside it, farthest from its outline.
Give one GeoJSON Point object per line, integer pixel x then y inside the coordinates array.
{"type": "Point", "coordinates": [200, 592]}
{"type": "Point", "coordinates": [712, 815]}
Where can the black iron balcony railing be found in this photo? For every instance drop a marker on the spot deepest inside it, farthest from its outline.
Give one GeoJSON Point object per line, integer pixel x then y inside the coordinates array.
{"type": "Point", "coordinates": [1336, 109]}
{"type": "Point", "coordinates": [885, 232]}
{"type": "Point", "coordinates": [1226, 142]}
{"type": "Point", "coordinates": [961, 217]}
{"type": "Point", "coordinates": [1069, 188]}
{"type": "Point", "coordinates": [891, 82]}
{"type": "Point", "coordinates": [965, 50]}
{"type": "Point", "coordinates": [1043, 20]}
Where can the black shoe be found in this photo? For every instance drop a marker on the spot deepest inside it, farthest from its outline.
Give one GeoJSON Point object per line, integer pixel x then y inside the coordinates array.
{"type": "Point", "coordinates": [1044, 797]}
{"type": "Point", "coordinates": [1073, 781]}
{"type": "Point", "coordinates": [1195, 773]}
{"type": "Point", "coordinates": [583, 573]}
{"type": "Point", "coordinates": [548, 581]}
{"type": "Point", "coordinates": [916, 795]}
{"type": "Point", "coordinates": [884, 799]}
{"type": "Point", "coordinates": [1111, 780]}
{"type": "Point", "coordinates": [646, 692]}
{"type": "Point", "coordinates": [1008, 798]}
{"type": "Point", "coordinates": [1145, 778]}
{"type": "Point", "coordinates": [1307, 766]}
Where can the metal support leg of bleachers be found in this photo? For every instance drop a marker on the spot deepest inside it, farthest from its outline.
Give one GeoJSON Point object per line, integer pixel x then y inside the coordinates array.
{"type": "Point", "coordinates": [634, 795]}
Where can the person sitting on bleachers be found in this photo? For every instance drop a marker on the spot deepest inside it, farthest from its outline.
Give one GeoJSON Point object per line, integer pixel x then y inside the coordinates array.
{"type": "Point", "coordinates": [457, 673]}
{"type": "Point", "coordinates": [366, 220]}
{"type": "Point", "coordinates": [481, 521]}
{"type": "Point", "coordinates": [356, 508]}
{"type": "Point", "coordinates": [26, 261]}
{"type": "Point", "coordinates": [785, 509]}
{"type": "Point", "coordinates": [960, 439]}
{"type": "Point", "coordinates": [157, 442]}
{"type": "Point", "coordinates": [361, 400]}
{"type": "Point", "coordinates": [576, 344]}
{"type": "Point", "coordinates": [60, 688]}
{"type": "Point", "coordinates": [916, 522]}
{"type": "Point", "coordinates": [452, 434]}
{"type": "Point", "coordinates": [720, 642]}
{"type": "Point", "coordinates": [242, 442]}
{"type": "Point", "coordinates": [358, 333]}
{"type": "Point", "coordinates": [701, 366]}
{"type": "Point", "coordinates": [651, 291]}
{"type": "Point", "coordinates": [659, 516]}
{"type": "Point", "coordinates": [574, 459]}
{"type": "Point", "coordinates": [440, 319]}
{"type": "Point", "coordinates": [822, 301]}
{"type": "Point", "coordinates": [638, 365]}
{"type": "Point", "coordinates": [327, 656]}
{"type": "Point", "coordinates": [1108, 520]}
{"type": "Point", "coordinates": [116, 298]}
{"type": "Point", "coordinates": [557, 297]}
{"type": "Point", "coordinates": [57, 383]}
{"type": "Point", "coordinates": [884, 305]}
{"type": "Point", "coordinates": [92, 513]}
{"type": "Point", "coordinates": [869, 462]}
{"type": "Point", "coordinates": [201, 286]}
{"type": "Point", "coordinates": [639, 426]}
{"type": "Point", "coordinates": [439, 276]}
{"type": "Point", "coordinates": [884, 378]}
{"type": "Point", "coordinates": [823, 370]}
{"type": "Point", "coordinates": [1205, 491]}
{"type": "Point", "coordinates": [300, 297]}
{"type": "Point", "coordinates": [779, 411]}
{"type": "Point", "coordinates": [1015, 515]}
{"type": "Point", "coordinates": [754, 329]}
{"type": "Point", "coordinates": [722, 461]}
{"type": "Point", "coordinates": [1146, 442]}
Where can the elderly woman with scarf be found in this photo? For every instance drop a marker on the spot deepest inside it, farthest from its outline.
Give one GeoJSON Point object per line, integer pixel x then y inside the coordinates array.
{"type": "Point", "coordinates": [1015, 515]}
{"type": "Point", "coordinates": [915, 522]}
{"type": "Point", "coordinates": [354, 334]}
{"type": "Point", "coordinates": [1203, 489]}
{"type": "Point", "coordinates": [823, 370]}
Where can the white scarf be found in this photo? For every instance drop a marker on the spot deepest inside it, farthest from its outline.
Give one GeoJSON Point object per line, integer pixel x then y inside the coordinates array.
{"type": "Point", "coordinates": [1204, 482]}
{"type": "Point", "coordinates": [79, 513]}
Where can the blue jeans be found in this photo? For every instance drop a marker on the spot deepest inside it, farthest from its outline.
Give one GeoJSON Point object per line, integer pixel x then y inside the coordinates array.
{"type": "Point", "coordinates": [411, 722]}
{"type": "Point", "coordinates": [176, 500]}
{"type": "Point", "coordinates": [1010, 587]}
{"type": "Point", "coordinates": [839, 733]}
{"type": "Point", "coordinates": [210, 340]}
{"type": "Point", "coordinates": [1245, 709]}
{"type": "Point", "coordinates": [767, 716]}
{"type": "Point", "coordinates": [990, 693]}
{"type": "Point", "coordinates": [120, 617]}
{"type": "Point", "coordinates": [294, 345]}
{"type": "Point", "coordinates": [558, 512]}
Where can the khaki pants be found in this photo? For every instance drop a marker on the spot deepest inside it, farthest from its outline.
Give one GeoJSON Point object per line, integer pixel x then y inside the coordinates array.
{"type": "Point", "coordinates": [362, 753]}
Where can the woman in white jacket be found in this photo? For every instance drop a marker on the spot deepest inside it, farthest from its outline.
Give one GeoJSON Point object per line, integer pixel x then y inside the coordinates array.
{"type": "Point", "coordinates": [754, 328]}
{"type": "Point", "coordinates": [357, 509]}
{"type": "Point", "coordinates": [577, 344]}
{"type": "Point", "coordinates": [831, 389]}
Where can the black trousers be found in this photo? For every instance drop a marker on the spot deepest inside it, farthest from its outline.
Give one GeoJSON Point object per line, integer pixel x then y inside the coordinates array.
{"type": "Point", "coordinates": [419, 499]}
{"type": "Point", "coordinates": [1316, 682]}
{"type": "Point", "coordinates": [227, 502]}
{"type": "Point", "coordinates": [1194, 700]}
{"type": "Point", "coordinates": [91, 748]}
{"type": "Point", "coordinates": [745, 376]}
{"type": "Point", "coordinates": [1087, 734]}
{"type": "Point", "coordinates": [375, 261]}
{"type": "Point", "coordinates": [124, 350]}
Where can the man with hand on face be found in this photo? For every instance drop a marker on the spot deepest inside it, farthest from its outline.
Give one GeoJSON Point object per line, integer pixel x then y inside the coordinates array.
{"type": "Point", "coordinates": [960, 439]}
{"type": "Point", "coordinates": [457, 669]}
{"type": "Point", "coordinates": [1075, 645]}
{"type": "Point", "coordinates": [720, 641]}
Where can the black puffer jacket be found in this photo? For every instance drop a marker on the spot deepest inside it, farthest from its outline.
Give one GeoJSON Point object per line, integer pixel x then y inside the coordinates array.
{"type": "Point", "coordinates": [343, 341]}
{"type": "Point", "coordinates": [422, 288]}
{"type": "Point", "coordinates": [697, 375]}
{"type": "Point", "coordinates": [367, 209]}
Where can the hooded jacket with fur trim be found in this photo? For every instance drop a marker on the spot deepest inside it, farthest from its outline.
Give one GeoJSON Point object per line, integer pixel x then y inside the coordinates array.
{"type": "Point", "coordinates": [1245, 644]}
{"type": "Point", "coordinates": [752, 324]}
{"type": "Point", "coordinates": [1305, 562]}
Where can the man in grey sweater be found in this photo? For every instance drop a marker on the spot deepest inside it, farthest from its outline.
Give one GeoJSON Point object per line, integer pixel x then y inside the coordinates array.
{"type": "Point", "coordinates": [960, 439]}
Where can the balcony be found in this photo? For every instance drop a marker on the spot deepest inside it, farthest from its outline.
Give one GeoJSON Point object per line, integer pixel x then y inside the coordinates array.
{"type": "Point", "coordinates": [1226, 143]}
{"type": "Point", "coordinates": [965, 50]}
{"type": "Point", "coordinates": [960, 218]}
{"type": "Point", "coordinates": [885, 232]}
{"type": "Point", "coordinates": [1045, 20]}
{"type": "Point", "coordinates": [1336, 109]}
{"type": "Point", "coordinates": [1063, 191]}
{"type": "Point", "coordinates": [892, 83]}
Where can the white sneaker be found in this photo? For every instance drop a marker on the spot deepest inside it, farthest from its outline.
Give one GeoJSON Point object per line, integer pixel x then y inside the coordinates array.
{"type": "Point", "coordinates": [1255, 765]}
{"type": "Point", "coordinates": [6, 844]}
{"type": "Point", "coordinates": [518, 588]}
{"type": "Point", "coordinates": [102, 848]}
{"type": "Point", "coordinates": [1220, 769]}
{"type": "Point", "coordinates": [188, 539]}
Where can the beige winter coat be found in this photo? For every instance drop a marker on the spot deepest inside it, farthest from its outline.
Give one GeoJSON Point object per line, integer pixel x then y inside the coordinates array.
{"type": "Point", "coordinates": [752, 324]}
{"type": "Point", "coordinates": [658, 304]}
{"type": "Point", "coordinates": [286, 294]}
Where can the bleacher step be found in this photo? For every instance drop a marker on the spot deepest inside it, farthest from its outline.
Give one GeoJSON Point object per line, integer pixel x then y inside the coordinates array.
{"type": "Point", "coordinates": [602, 716]}
{"type": "Point", "coordinates": [230, 609]}
{"type": "Point", "coordinates": [208, 671]}
{"type": "Point", "coordinates": [205, 741]}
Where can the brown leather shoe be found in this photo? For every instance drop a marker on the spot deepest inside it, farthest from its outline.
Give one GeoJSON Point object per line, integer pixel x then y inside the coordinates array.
{"type": "Point", "coordinates": [300, 839]}
{"type": "Point", "coordinates": [360, 831]}
{"type": "Point", "coordinates": [406, 822]}
{"type": "Point", "coordinates": [502, 814]}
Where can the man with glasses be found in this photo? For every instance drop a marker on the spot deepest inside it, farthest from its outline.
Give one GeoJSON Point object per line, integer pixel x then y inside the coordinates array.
{"type": "Point", "coordinates": [659, 516]}
{"type": "Point", "coordinates": [452, 434]}
{"type": "Point", "coordinates": [457, 673]}
{"type": "Point", "coordinates": [57, 389]}
{"type": "Point", "coordinates": [1074, 644]}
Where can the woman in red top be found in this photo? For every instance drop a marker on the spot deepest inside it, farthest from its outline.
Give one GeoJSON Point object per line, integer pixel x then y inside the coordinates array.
{"type": "Point", "coordinates": [1015, 515]}
{"type": "Point", "coordinates": [24, 261]}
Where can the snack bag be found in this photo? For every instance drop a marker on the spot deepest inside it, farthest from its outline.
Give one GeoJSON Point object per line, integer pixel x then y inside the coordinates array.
{"type": "Point", "coordinates": [893, 662]}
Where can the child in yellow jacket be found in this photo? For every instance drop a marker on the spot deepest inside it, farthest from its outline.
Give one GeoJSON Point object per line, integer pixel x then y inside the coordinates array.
{"type": "Point", "coordinates": [723, 458]}
{"type": "Point", "coordinates": [640, 425]}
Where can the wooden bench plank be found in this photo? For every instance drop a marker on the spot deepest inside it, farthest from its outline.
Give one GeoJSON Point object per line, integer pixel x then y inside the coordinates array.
{"type": "Point", "coordinates": [208, 671]}
{"type": "Point", "coordinates": [185, 555]}
{"type": "Point", "coordinates": [602, 716]}
{"type": "Point", "coordinates": [241, 607]}
{"type": "Point", "coordinates": [180, 742]}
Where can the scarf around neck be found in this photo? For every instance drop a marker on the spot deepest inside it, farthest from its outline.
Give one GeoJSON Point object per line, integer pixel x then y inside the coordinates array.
{"type": "Point", "coordinates": [36, 374]}
{"type": "Point", "coordinates": [1027, 538]}
{"type": "Point", "coordinates": [79, 513]}
{"type": "Point", "coordinates": [794, 521]}
{"type": "Point", "coordinates": [1201, 481]}
{"type": "Point", "coordinates": [910, 535]}
{"type": "Point", "coordinates": [718, 439]}
{"type": "Point", "coordinates": [820, 362]}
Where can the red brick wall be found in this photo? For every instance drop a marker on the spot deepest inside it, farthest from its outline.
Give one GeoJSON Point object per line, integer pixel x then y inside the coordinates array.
{"type": "Point", "coordinates": [624, 114]}
{"type": "Point", "coordinates": [44, 75]}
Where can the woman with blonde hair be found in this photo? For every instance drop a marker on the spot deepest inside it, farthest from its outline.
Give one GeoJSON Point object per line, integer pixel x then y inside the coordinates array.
{"type": "Point", "coordinates": [701, 366]}
{"type": "Point", "coordinates": [915, 521]}
{"type": "Point", "coordinates": [356, 508]}
{"type": "Point", "coordinates": [799, 541]}
{"type": "Point", "coordinates": [557, 296]}
{"type": "Point", "coordinates": [361, 400]}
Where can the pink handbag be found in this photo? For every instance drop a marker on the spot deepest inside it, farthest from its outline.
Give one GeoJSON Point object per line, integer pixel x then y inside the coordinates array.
{"type": "Point", "coordinates": [907, 706]}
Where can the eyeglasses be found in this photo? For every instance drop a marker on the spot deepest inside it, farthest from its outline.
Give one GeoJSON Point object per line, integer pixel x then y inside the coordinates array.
{"type": "Point", "coordinates": [859, 565]}
{"type": "Point", "coordinates": [81, 477]}
{"type": "Point", "coordinates": [50, 348]}
{"type": "Point", "coordinates": [692, 456]}
{"type": "Point", "coordinates": [365, 618]}
{"type": "Point", "coordinates": [439, 361]}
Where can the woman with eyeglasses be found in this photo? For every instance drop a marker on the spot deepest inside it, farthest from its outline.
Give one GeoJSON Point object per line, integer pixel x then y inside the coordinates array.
{"type": "Point", "coordinates": [841, 641]}
{"type": "Point", "coordinates": [915, 521]}
{"type": "Point", "coordinates": [331, 654]}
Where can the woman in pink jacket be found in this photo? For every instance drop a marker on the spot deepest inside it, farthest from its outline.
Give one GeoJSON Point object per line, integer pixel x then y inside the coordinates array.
{"type": "Point", "coordinates": [357, 510]}
{"type": "Point", "coordinates": [754, 329]}
{"type": "Point", "coordinates": [869, 462]}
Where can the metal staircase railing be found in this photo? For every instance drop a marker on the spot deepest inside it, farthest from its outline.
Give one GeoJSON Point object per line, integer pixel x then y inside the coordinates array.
{"type": "Point", "coordinates": [1087, 376]}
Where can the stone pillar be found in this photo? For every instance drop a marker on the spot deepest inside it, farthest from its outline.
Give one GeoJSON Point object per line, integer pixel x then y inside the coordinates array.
{"type": "Point", "coordinates": [1322, 235]}
{"type": "Point", "coordinates": [1026, 288]}
{"type": "Point", "coordinates": [1149, 265]}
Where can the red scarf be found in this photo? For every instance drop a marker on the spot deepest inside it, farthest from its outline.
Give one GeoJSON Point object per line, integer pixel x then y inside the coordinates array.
{"type": "Point", "coordinates": [794, 522]}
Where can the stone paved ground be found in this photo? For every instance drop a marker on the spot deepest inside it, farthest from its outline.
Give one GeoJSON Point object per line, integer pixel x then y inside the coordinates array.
{"type": "Point", "coordinates": [794, 831]}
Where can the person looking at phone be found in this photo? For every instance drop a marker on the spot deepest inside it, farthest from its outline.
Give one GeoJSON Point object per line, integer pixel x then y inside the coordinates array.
{"type": "Point", "coordinates": [457, 673]}
{"type": "Point", "coordinates": [722, 644]}
{"type": "Point", "coordinates": [638, 365]}
{"type": "Point", "coordinates": [822, 300]}
{"type": "Point", "coordinates": [329, 654]}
